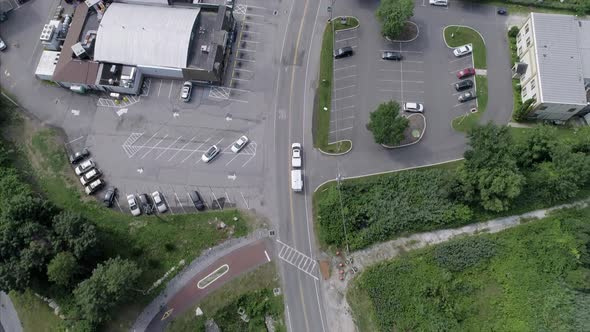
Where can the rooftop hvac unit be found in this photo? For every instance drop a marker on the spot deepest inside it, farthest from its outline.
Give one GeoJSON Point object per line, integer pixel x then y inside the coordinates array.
{"type": "Point", "coordinates": [47, 32]}
{"type": "Point", "coordinates": [205, 48]}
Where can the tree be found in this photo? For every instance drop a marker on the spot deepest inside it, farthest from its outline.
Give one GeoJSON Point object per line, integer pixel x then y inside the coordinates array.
{"type": "Point", "coordinates": [489, 175]}
{"type": "Point", "coordinates": [62, 269]}
{"type": "Point", "coordinates": [74, 233]}
{"type": "Point", "coordinates": [523, 111]}
{"type": "Point", "coordinates": [537, 146]}
{"type": "Point", "coordinates": [393, 14]}
{"type": "Point", "coordinates": [387, 125]}
{"type": "Point", "coordinates": [109, 284]}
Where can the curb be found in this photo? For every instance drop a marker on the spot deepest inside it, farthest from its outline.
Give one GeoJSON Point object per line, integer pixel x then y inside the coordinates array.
{"type": "Point", "coordinates": [419, 138]}
{"type": "Point", "coordinates": [480, 35]}
{"type": "Point", "coordinates": [351, 28]}
{"type": "Point", "coordinates": [387, 172]}
{"type": "Point", "coordinates": [409, 40]}
{"type": "Point", "coordinates": [337, 154]}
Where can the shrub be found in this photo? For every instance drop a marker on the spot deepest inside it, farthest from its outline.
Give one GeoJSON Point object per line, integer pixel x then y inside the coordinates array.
{"type": "Point", "coordinates": [513, 32]}
{"type": "Point", "coordinates": [521, 113]}
{"type": "Point", "coordinates": [461, 254]}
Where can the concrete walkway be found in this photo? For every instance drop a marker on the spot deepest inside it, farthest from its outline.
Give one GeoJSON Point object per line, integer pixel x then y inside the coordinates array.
{"type": "Point", "coordinates": [9, 321]}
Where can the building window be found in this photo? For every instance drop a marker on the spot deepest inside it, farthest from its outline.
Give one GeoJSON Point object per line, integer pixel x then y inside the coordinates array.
{"type": "Point", "coordinates": [518, 37]}
{"type": "Point", "coordinates": [524, 90]}
{"type": "Point", "coordinates": [526, 28]}
{"type": "Point", "coordinates": [571, 110]}
{"type": "Point", "coordinates": [528, 41]}
{"type": "Point", "coordinates": [532, 84]}
{"type": "Point", "coordinates": [534, 97]}
{"type": "Point", "coordinates": [519, 50]}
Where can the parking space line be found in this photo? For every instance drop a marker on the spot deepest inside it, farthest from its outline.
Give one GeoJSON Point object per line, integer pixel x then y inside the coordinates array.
{"type": "Point", "coordinates": [244, 70]}
{"type": "Point", "coordinates": [214, 196]}
{"type": "Point", "coordinates": [409, 61]}
{"type": "Point", "coordinates": [346, 87]}
{"type": "Point", "coordinates": [340, 109]}
{"type": "Point", "coordinates": [335, 99]}
{"type": "Point", "coordinates": [343, 78]}
{"type": "Point", "coordinates": [227, 196]}
{"type": "Point", "coordinates": [257, 7]}
{"type": "Point", "coordinates": [189, 199]}
{"type": "Point", "coordinates": [160, 87]}
{"type": "Point", "coordinates": [252, 147]}
{"type": "Point", "coordinates": [144, 145]}
{"type": "Point", "coordinates": [347, 118]}
{"type": "Point", "coordinates": [153, 147]}
{"type": "Point", "coordinates": [345, 39]}
{"type": "Point", "coordinates": [246, 60]}
{"type": "Point", "coordinates": [252, 22]}
{"type": "Point", "coordinates": [394, 90]}
{"type": "Point", "coordinates": [404, 81]}
{"type": "Point", "coordinates": [240, 79]}
{"type": "Point", "coordinates": [405, 71]}
{"type": "Point", "coordinates": [182, 148]}
{"type": "Point", "coordinates": [245, 50]}
{"type": "Point", "coordinates": [457, 105]}
{"type": "Point", "coordinates": [170, 92]}
{"type": "Point", "coordinates": [237, 155]}
{"type": "Point", "coordinates": [343, 129]}
{"type": "Point", "coordinates": [165, 200]}
{"type": "Point", "coordinates": [168, 148]}
{"type": "Point", "coordinates": [195, 150]}
{"type": "Point", "coordinates": [119, 205]}
{"type": "Point", "coordinates": [335, 69]}
{"type": "Point", "coordinates": [459, 59]}
{"type": "Point", "coordinates": [254, 15]}
{"type": "Point", "coordinates": [244, 199]}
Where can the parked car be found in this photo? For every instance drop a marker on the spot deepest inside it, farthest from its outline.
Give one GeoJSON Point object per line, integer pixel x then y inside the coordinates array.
{"type": "Point", "coordinates": [159, 202]}
{"type": "Point", "coordinates": [197, 200]}
{"type": "Point", "coordinates": [467, 96]}
{"type": "Point", "coordinates": [2, 45]}
{"type": "Point", "coordinates": [94, 186]}
{"type": "Point", "coordinates": [90, 176]}
{"type": "Point", "coordinates": [463, 50]}
{"type": "Point", "coordinates": [132, 201]}
{"type": "Point", "coordinates": [84, 167]}
{"type": "Point", "coordinates": [391, 55]}
{"type": "Point", "coordinates": [413, 107]}
{"type": "Point", "coordinates": [465, 73]}
{"type": "Point", "coordinates": [185, 92]}
{"type": "Point", "coordinates": [463, 85]}
{"type": "Point", "coordinates": [146, 204]}
{"type": "Point", "coordinates": [343, 52]}
{"type": "Point", "coordinates": [109, 196]}
{"type": "Point", "coordinates": [239, 144]}
{"type": "Point", "coordinates": [439, 2]}
{"type": "Point", "coordinates": [210, 154]}
{"type": "Point", "coordinates": [78, 156]}
{"type": "Point", "coordinates": [296, 155]}
{"type": "Point", "coordinates": [502, 11]}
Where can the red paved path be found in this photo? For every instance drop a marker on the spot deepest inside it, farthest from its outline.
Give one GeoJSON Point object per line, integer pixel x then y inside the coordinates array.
{"type": "Point", "coordinates": [240, 260]}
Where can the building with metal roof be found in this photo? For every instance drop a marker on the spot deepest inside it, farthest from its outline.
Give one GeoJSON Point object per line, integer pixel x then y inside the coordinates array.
{"type": "Point", "coordinates": [556, 51]}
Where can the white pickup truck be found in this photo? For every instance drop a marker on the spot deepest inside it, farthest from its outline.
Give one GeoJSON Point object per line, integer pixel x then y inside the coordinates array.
{"type": "Point", "coordinates": [296, 155]}
{"type": "Point", "coordinates": [296, 180]}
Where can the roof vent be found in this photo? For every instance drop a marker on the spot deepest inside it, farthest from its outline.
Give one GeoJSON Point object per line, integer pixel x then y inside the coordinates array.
{"type": "Point", "coordinates": [205, 48]}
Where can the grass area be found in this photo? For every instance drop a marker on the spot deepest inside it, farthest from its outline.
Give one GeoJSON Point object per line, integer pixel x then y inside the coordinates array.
{"type": "Point", "coordinates": [323, 98]}
{"type": "Point", "coordinates": [155, 243]}
{"type": "Point", "coordinates": [34, 314]}
{"type": "Point", "coordinates": [528, 278]}
{"type": "Point", "coordinates": [263, 278]}
{"type": "Point", "coordinates": [456, 36]}
{"type": "Point", "coordinates": [464, 123]}
{"type": "Point", "coordinates": [515, 8]}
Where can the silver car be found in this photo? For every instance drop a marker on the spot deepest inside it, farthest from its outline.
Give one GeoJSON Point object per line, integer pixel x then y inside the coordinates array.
{"type": "Point", "coordinates": [159, 202]}
{"type": "Point", "coordinates": [463, 50]}
{"type": "Point", "coordinates": [413, 107]}
{"type": "Point", "coordinates": [210, 154]}
{"type": "Point", "coordinates": [239, 144]}
{"type": "Point", "coordinates": [185, 92]}
{"type": "Point", "coordinates": [133, 205]}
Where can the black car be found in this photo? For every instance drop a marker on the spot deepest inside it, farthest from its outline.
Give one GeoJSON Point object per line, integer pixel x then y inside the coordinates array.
{"type": "Point", "coordinates": [77, 157]}
{"type": "Point", "coordinates": [390, 55]}
{"type": "Point", "coordinates": [197, 200]}
{"type": "Point", "coordinates": [109, 196]}
{"type": "Point", "coordinates": [463, 85]}
{"type": "Point", "coordinates": [146, 204]}
{"type": "Point", "coordinates": [502, 11]}
{"type": "Point", "coordinates": [343, 52]}
{"type": "Point", "coordinates": [467, 96]}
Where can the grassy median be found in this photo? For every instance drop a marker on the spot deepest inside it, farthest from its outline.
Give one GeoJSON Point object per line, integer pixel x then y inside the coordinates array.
{"type": "Point", "coordinates": [321, 117]}
{"type": "Point", "coordinates": [466, 122]}
{"type": "Point", "coordinates": [456, 36]}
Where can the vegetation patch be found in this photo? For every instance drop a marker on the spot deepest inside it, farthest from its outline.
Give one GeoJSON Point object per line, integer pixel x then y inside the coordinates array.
{"type": "Point", "coordinates": [456, 36]}
{"type": "Point", "coordinates": [465, 123]}
{"type": "Point", "coordinates": [34, 314]}
{"type": "Point", "coordinates": [533, 277]}
{"type": "Point", "coordinates": [251, 291]}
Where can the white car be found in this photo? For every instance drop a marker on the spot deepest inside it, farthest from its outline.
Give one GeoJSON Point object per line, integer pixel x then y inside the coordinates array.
{"type": "Point", "coordinates": [413, 107]}
{"type": "Point", "coordinates": [2, 45]}
{"type": "Point", "coordinates": [133, 205]}
{"type": "Point", "coordinates": [463, 50]}
{"type": "Point", "coordinates": [439, 2]}
{"type": "Point", "coordinates": [185, 92]}
{"type": "Point", "coordinates": [84, 167]}
{"type": "Point", "coordinates": [239, 144]}
{"type": "Point", "coordinates": [89, 176]}
{"type": "Point", "coordinates": [210, 154]}
{"type": "Point", "coordinates": [296, 155]}
{"type": "Point", "coordinates": [159, 202]}
{"type": "Point", "coordinates": [94, 186]}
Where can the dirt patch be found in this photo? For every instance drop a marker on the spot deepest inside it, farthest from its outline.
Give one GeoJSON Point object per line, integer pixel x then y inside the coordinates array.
{"type": "Point", "coordinates": [409, 33]}
{"type": "Point", "coordinates": [325, 269]}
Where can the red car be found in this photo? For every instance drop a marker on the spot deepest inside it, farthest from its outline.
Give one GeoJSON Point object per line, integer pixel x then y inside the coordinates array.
{"type": "Point", "coordinates": [465, 73]}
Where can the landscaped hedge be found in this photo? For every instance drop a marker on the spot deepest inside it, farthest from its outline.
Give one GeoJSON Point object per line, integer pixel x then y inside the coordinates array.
{"type": "Point", "coordinates": [380, 208]}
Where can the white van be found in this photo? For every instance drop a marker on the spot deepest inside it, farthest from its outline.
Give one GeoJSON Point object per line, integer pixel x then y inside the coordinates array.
{"type": "Point", "coordinates": [296, 180]}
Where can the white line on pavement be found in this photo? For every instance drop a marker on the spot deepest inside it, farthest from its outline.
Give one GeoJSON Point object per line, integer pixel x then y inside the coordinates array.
{"type": "Point", "coordinates": [351, 96]}
{"type": "Point", "coordinates": [343, 129]}
{"type": "Point", "coordinates": [335, 69]}
{"type": "Point", "coordinates": [144, 145]}
{"type": "Point", "coordinates": [195, 150]}
{"type": "Point", "coordinates": [345, 39]}
{"type": "Point", "coordinates": [346, 87]}
{"type": "Point", "coordinates": [169, 146]}
{"type": "Point", "coordinates": [182, 148]}
{"type": "Point", "coordinates": [153, 147]}
{"type": "Point", "coordinates": [345, 77]}
{"type": "Point", "coordinates": [267, 257]}
{"type": "Point", "coordinates": [346, 118]}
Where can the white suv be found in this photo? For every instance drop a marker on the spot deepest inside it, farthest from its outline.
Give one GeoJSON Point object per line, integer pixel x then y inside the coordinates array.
{"type": "Point", "coordinates": [439, 2]}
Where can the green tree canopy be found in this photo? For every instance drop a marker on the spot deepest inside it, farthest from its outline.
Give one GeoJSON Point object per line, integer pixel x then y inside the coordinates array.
{"type": "Point", "coordinates": [62, 269]}
{"type": "Point", "coordinates": [393, 14]}
{"type": "Point", "coordinates": [74, 233]}
{"type": "Point", "coordinates": [537, 146]}
{"type": "Point", "coordinates": [109, 284]}
{"type": "Point", "coordinates": [387, 125]}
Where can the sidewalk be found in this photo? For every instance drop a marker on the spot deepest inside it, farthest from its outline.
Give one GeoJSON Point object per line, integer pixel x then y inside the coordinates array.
{"type": "Point", "coordinates": [9, 321]}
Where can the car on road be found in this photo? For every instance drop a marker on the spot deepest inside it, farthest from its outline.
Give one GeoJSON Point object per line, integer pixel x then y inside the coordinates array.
{"type": "Point", "coordinates": [343, 52]}
{"type": "Point", "coordinates": [463, 50]}
{"type": "Point", "coordinates": [439, 2]}
{"type": "Point", "coordinates": [78, 156]}
{"type": "Point", "coordinates": [146, 204]}
{"type": "Point", "coordinates": [159, 202]}
{"type": "Point", "coordinates": [239, 144]}
{"type": "Point", "coordinates": [89, 176]}
{"type": "Point", "coordinates": [296, 180]}
{"type": "Point", "coordinates": [465, 73]}
{"type": "Point", "coordinates": [109, 196]}
{"type": "Point", "coordinates": [296, 155]}
{"type": "Point", "coordinates": [391, 55]}
{"type": "Point", "coordinates": [211, 153]}
{"type": "Point", "coordinates": [463, 85]}
{"type": "Point", "coordinates": [132, 201]}
{"type": "Point", "coordinates": [502, 11]}
{"type": "Point", "coordinates": [94, 186]}
{"type": "Point", "coordinates": [2, 45]}
{"type": "Point", "coordinates": [185, 92]}
{"type": "Point", "coordinates": [413, 107]}
{"type": "Point", "coordinates": [84, 167]}
{"type": "Point", "coordinates": [197, 200]}
{"type": "Point", "coordinates": [467, 96]}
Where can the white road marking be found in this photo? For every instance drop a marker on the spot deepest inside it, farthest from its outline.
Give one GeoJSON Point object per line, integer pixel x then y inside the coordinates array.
{"type": "Point", "coordinates": [170, 92]}
{"type": "Point", "coordinates": [245, 50]}
{"type": "Point", "coordinates": [76, 139]}
{"type": "Point", "coordinates": [244, 199]}
{"type": "Point", "coordinates": [167, 148]}
{"type": "Point", "coordinates": [195, 150]}
{"type": "Point", "coordinates": [346, 118]}
{"type": "Point", "coordinates": [346, 87]}
{"type": "Point", "coordinates": [345, 39]}
{"type": "Point", "coordinates": [153, 147]}
{"type": "Point", "coordinates": [335, 69]}
{"type": "Point", "coordinates": [145, 144]}
{"type": "Point", "coordinates": [343, 78]}
{"type": "Point", "coordinates": [351, 96]}
{"type": "Point", "coordinates": [182, 148]}
{"type": "Point", "coordinates": [160, 87]}
{"type": "Point", "coordinates": [244, 70]}
{"type": "Point", "coordinates": [179, 202]}
{"type": "Point", "coordinates": [343, 129]}
{"type": "Point", "coordinates": [267, 257]}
